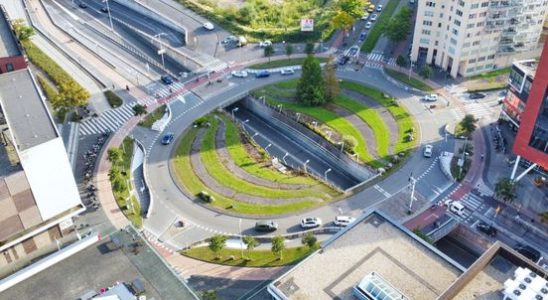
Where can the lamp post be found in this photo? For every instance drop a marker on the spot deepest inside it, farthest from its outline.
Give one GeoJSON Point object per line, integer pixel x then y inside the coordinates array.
{"type": "Point", "coordinates": [266, 149]}
{"type": "Point", "coordinates": [329, 135]}
{"type": "Point", "coordinates": [342, 145]}
{"type": "Point", "coordinates": [305, 163]}
{"type": "Point", "coordinates": [298, 116]}
{"type": "Point", "coordinates": [280, 107]}
{"type": "Point", "coordinates": [244, 122]}
{"type": "Point", "coordinates": [283, 158]}
{"type": "Point", "coordinates": [315, 124]}
{"type": "Point", "coordinates": [254, 135]}
{"type": "Point", "coordinates": [241, 240]}
{"type": "Point", "coordinates": [162, 50]}
{"type": "Point", "coordinates": [325, 173]}
{"type": "Point", "coordinates": [235, 109]}
{"type": "Point", "coordinates": [109, 16]}
{"type": "Point", "coordinates": [412, 181]}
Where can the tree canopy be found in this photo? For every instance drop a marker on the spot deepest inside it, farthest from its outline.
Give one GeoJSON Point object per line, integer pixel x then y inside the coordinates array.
{"type": "Point", "coordinates": [505, 190]}
{"type": "Point", "coordinates": [399, 26]}
{"type": "Point", "coordinates": [354, 8]}
{"type": "Point", "coordinates": [311, 87]}
{"type": "Point", "coordinates": [425, 72]}
{"type": "Point", "coordinates": [342, 20]}
{"type": "Point", "coordinates": [71, 94]}
{"type": "Point", "coordinates": [468, 124]}
{"type": "Point", "coordinates": [217, 243]}
{"type": "Point", "coordinates": [22, 31]}
{"type": "Point", "coordinates": [268, 51]}
{"type": "Point", "coordinates": [288, 50]}
{"type": "Point", "coordinates": [332, 88]}
{"type": "Point", "coordinates": [278, 246]}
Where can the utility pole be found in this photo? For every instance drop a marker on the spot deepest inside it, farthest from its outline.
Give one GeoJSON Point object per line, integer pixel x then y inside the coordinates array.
{"type": "Point", "coordinates": [109, 16]}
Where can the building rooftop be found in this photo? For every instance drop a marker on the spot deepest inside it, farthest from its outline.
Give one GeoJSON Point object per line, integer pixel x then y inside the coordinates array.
{"type": "Point", "coordinates": [8, 44]}
{"type": "Point", "coordinates": [529, 66]}
{"type": "Point", "coordinates": [372, 245]}
{"type": "Point", "coordinates": [25, 111]}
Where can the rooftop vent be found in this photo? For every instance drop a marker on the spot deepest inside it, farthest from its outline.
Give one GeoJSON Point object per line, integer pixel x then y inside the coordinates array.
{"type": "Point", "coordinates": [527, 279]}
{"type": "Point", "coordinates": [538, 297]}
{"type": "Point", "coordinates": [517, 293]}
{"type": "Point", "coordinates": [522, 286]}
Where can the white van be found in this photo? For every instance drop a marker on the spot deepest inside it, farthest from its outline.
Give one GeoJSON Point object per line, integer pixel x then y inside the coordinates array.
{"type": "Point", "coordinates": [457, 208]}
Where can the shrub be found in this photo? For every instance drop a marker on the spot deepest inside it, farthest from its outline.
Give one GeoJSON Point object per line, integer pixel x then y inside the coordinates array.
{"type": "Point", "coordinates": [113, 99]}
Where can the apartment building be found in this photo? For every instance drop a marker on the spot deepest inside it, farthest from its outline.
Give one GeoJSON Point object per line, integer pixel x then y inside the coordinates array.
{"type": "Point", "coordinates": [475, 36]}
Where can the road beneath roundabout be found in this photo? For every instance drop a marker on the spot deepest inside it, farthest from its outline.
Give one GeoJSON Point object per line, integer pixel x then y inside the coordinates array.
{"type": "Point", "coordinates": [171, 205]}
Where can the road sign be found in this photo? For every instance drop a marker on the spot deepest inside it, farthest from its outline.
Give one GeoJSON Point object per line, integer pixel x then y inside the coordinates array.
{"type": "Point", "coordinates": [307, 24]}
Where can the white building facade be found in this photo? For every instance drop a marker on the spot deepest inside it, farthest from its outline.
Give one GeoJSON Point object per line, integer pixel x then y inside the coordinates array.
{"type": "Point", "coordinates": [469, 37]}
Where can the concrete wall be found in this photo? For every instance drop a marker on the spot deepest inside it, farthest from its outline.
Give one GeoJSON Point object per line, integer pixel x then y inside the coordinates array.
{"type": "Point", "coordinates": [313, 142]}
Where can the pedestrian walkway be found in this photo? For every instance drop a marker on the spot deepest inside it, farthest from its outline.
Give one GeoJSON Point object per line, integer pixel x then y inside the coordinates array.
{"type": "Point", "coordinates": [471, 203]}
{"type": "Point", "coordinates": [377, 60]}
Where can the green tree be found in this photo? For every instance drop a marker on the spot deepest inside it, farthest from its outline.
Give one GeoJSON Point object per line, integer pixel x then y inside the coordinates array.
{"type": "Point", "coordinates": [354, 8]}
{"type": "Point", "coordinates": [425, 72]}
{"type": "Point", "coordinates": [309, 239]}
{"type": "Point", "coordinates": [209, 295]}
{"type": "Point", "coordinates": [139, 109]}
{"type": "Point", "coordinates": [468, 124]}
{"type": "Point", "coordinates": [114, 155]}
{"type": "Point", "coordinates": [342, 20]}
{"type": "Point", "coordinates": [401, 61]}
{"type": "Point", "coordinates": [311, 85]}
{"type": "Point", "coordinates": [332, 88]}
{"type": "Point", "coordinates": [22, 31]}
{"type": "Point", "coordinates": [505, 190]}
{"type": "Point", "coordinates": [399, 26]}
{"type": "Point", "coordinates": [217, 243]}
{"type": "Point", "coordinates": [71, 95]}
{"type": "Point", "coordinates": [288, 50]}
{"type": "Point", "coordinates": [250, 243]}
{"type": "Point", "coordinates": [268, 51]}
{"type": "Point", "coordinates": [278, 246]}
{"type": "Point", "coordinates": [309, 48]}
{"type": "Point", "coordinates": [349, 143]}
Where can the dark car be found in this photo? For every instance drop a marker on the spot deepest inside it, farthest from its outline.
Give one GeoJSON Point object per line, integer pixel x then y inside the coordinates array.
{"type": "Point", "coordinates": [487, 229]}
{"type": "Point", "coordinates": [362, 36]}
{"type": "Point", "coordinates": [343, 60]}
{"type": "Point", "coordinates": [104, 9]}
{"type": "Point", "coordinates": [477, 95]}
{"type": "Point", "coordinates": [262, 74]}
{"type": "Point", "coordinates": [529, 252]}
{"type": "Point", "coordinates": [166, 140]}
{"type": "Point", "coordinates": [266, 226]}
{"type": "Point", "coordinates": [167, 79]}
{"type": "Point", "coordinates": [83, 5]}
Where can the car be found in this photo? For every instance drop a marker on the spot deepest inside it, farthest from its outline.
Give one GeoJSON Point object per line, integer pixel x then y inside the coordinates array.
{"type": "Point", "coordinates": [287, 71]}
{"type": "Point", "coordinates": [167, 139]}
{"type": "Point", "coordinates": [343, 221]}
{"type": "Point", "coordinates": [343, 60]}
{"type": "Point", "coordinates": [477, 95]}
{"type": "Point", "coordinates": [370, 10]}
{"type": "Point", "coordinates": [371, 6]}
{"type": "Point", "coordinates": [262, 74]}
{"type": "Point", "coordinates": [239, 74]}
{"type": "Point", "coordinates": [365, 16]}
{"type": "Point", "coordinates": [362, 36]}
{"type": "Point", "coordinates": [230, 39]}
{"type": "Point", "coordinates": [209, 26]}
{"type": "Point", "coordinates": [104, 9]}
{"type": "Point", "coordinates": [529, 252]}
{"type": "Point", "coordinates": [457, 208]}
{"type": "Point", "coordinates": [266, 226]}
{"type": "Point", "coordinates": [368, 25]}
{"type": "Point", "coordinates": [487, 229]}
{"type": "Point", "coordinates": [379, 7]}
{"type": "Point", "coordinates": [167, 79]}
{"type": "Point", "coordinates": [83, 5]}
{"type": "Point", "coordinates": [430, 98]}
{"type": "Point", "coordinates": [427, 151]}
{"type": "Point", "coordinates": [412, 2]}
{"type": "Point", "coordinates": [265, 43]}
{"type": "Point", "coordinates": [311, 222]}
{"type": "Point", "coordinates": [373, 17]}
{"type": "Point", "coordinates": [242, 41]}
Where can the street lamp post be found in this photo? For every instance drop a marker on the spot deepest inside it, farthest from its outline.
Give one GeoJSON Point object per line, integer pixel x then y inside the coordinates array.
{"type": "Point", "coordinates": [315, 124]}
{"type": "Point", "coordinates": [342, 145]}
{"type": "Point", "coordinates": [254, 135]}
{"type": "Point", "coordinates": [266, 149]}
{"type": "Point", "coordinates": [109, 16]}
{"type": "Point", "coordinates": [305, 163]}
{"type": "Point", "coordinates": [162, 50]}
{"type": "Point", "coordinates": [280, 107]}
{"type": "Point", "coordinates": [283, 158]}
{"type": "Point", "coordinates": [235, 109]}
{"type": "Point", "coordinates": [325, 173]}
{"type": "Point", "coordinates": [298, 116]}
{"type": "Point", "coordinates": [244, 122]}
{"type": "Point", "coordinates": [241, 240]}
{"type": "Point", "coordinates": [412, 181]}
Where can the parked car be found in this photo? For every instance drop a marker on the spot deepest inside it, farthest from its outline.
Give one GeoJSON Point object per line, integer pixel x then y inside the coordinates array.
{"type": "Point", "coordinates": [430, 98]}
{"type": "Point", "coordinates": [104, 9]}
{"type": "Point", "coordinates": [362, 36]}
{"type": "Point", "coordinates": [230, 39]}
{"type": "Point", "coordinates": [487, 229]}
{"type": "Point", "coordinates": [477, 95]}
{"type": "Point", "coordinates": [365, 16]}
{"type": "Point", "coordinates": [379, 7]}
{"type": "Point", "coordinates": [167, 79]}
{"type": "Point", "coordinates": [287, 71]}
{"type": "Point", "coordinates": [167, 139]}
{"type": "Point", "coordinates": [428, 151]}
{"type": "Point", "coordinates": [368, 25]}
{"type": "Point", "coordinates": [239, 74]}
{"type": "Point", "coordinates": [83, 5]}
{"type": "Point", "coordinates": [265, 43]}
{"type": "Point", "coordinates": [373, 17]}
{"type": "Point", "coordinates": [262, 74]}
{"type": "Point", "coordinates": [529, 252]}
{"type": "Point", "coordinates": [343, 221]}
{"type": "Point", "coordinates": [242, 41]}
{"type": "Point", "coordinates": [266, 226]}
{"type": "Point", "coordinates": [208, 26]}
{"type": "Point", "coordinates": [343, 60]}
{"type": "Point", "coordinates": [311, 222]}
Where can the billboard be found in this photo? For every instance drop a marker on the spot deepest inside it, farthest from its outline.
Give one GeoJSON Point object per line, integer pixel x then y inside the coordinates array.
{"type": "Point", "coordinates": [307, 24]}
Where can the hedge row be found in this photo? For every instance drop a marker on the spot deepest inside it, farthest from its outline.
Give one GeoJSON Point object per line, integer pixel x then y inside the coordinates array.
{"type": "Point", "coordinates": [113, 99]}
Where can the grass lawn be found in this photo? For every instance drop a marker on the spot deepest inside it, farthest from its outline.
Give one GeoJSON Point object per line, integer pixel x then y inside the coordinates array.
{"type": "Point", "coordinates": [401, 115]}
{"type": "Point", "coordinates": [154, 116]}
{"type": "Point", "coordinates": [413, 82]}
{"type": "Point", "coordinates": [221, 174]}
{"type": "Point", "coordinates": [258, 258]}
{"type": "Point", "coordinates": [492, 74]}
{"type": "Point", "coordinates": [372, 119]}
{"type": "Point", "coordinates": [335, 122]}
{"type": "Point", "coordinates": [284, 63]}
{"type": "Point", "coordinates": [242, 159]}
{"type": "Point", "coordinates": [378, 28]}
{"type": "Point", "coordinates": [185, 174]}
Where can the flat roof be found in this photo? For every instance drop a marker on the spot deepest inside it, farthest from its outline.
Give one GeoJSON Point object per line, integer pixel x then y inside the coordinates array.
{"type": "Point", "coordinates": [25, 111]}
{"type": "Point", "coordinates": [372, 244]}
{"type": "Point", "coordinates": [528, 66]}
{"type": "Point", "coordinates": [8, 44]}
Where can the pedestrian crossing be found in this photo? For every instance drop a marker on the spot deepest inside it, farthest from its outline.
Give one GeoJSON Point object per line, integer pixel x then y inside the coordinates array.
{"type": "Point", "coordinates": [471, 203]}
{"type": "Point", "coordinates": [111, 120]}
{"type": "Point", "coordinates": [480, 110]}
{"type": "Point", "coordinates": [378, 61]}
